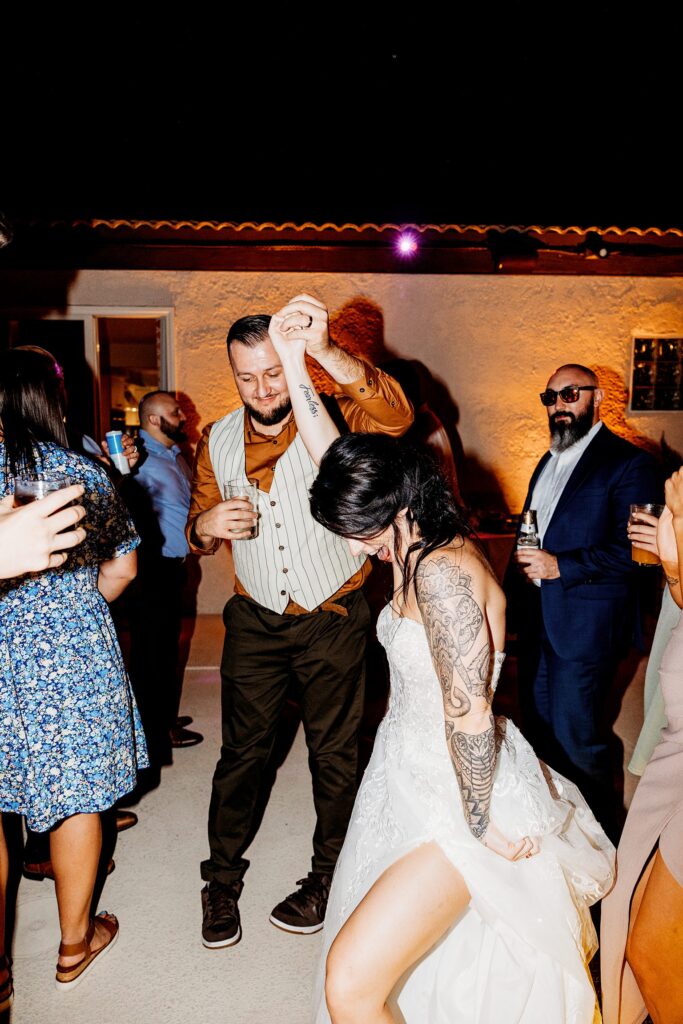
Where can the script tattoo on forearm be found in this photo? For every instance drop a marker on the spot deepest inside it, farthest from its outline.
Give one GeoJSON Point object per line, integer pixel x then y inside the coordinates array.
{"type": "Point", "coordinates": [454, 621]}
{"type": "Point", "coordinates": [310, 401]}
{"type": "Point", "coordinates": [474, 759]}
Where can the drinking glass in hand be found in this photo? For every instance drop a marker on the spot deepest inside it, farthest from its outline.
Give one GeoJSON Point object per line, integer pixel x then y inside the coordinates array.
{"type": "Point", "coordinates": [248, 491]}
{"type": "Point", "coordinates": [639, 555]}
{"type": "Point", "coordinates": [28, 489]}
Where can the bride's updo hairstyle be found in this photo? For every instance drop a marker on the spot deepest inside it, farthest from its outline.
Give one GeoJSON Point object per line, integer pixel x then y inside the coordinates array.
{"type": "Point", "coordinates": [365, 480]}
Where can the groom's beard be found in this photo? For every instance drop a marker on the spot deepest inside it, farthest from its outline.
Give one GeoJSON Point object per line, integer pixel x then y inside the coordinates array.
{"type": "Point", "coordinates": [566, 432]}
{"type": "Point", "coordinates": [275, 415]}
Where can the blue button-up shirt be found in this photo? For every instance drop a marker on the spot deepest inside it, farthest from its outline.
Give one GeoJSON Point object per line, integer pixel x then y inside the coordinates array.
{"type": "Point", "coordinates": [166, 476]}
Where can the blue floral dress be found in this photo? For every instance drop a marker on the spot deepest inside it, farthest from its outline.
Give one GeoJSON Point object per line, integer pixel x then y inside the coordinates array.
{"type": "Point", "coordinates": [70, 734]}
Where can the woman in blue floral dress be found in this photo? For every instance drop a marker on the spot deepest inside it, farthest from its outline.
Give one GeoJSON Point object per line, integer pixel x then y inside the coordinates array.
{"type": "Point", "coordinates": [70, 735]}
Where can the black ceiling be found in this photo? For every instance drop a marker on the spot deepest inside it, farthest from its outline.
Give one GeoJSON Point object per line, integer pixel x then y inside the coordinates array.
{"type": "Point", "coordinates": [514, 114]}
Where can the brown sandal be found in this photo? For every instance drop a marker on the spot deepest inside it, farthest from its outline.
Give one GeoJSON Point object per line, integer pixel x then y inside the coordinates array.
{"type": "Point", "coordinates": [69, 977]}
{"type": "Point", "coordinates": [7, 988]}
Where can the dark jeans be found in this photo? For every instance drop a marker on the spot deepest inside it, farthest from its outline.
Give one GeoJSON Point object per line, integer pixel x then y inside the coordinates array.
{"type": "Point", "coordinates": [565, 719]}
{"type": "Point", "coordinates": [155, 608]}
{"type": "Point", "coordinates": [323, 653]}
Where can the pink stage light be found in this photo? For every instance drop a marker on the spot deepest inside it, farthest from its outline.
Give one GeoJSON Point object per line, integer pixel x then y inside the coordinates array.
{"type": "Point", "coordinates": [407, 245]}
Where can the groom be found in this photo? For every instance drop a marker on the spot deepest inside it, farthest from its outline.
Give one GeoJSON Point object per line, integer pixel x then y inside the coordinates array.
{"type": "Point", "coordinates": [298, 613]}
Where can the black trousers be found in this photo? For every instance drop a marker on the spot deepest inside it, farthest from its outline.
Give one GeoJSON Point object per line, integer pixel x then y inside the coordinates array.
{"type": "Point", "coordinates": [564, 707]}
{"type": "Point", "coordinates": [323, 653]}
{"type": "Point", "coordinates": [155, 602]}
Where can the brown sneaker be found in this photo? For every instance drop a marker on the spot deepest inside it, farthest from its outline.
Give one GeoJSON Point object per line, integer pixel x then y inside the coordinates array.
{"type": "Point", "coordinates": [303, 911]}
{"type": "Point", "coordinates": [220, 914]}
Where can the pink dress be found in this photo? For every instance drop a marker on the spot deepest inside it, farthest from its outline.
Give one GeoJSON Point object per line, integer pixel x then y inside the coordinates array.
{"type": "Point", "coordinates": [655, 815]}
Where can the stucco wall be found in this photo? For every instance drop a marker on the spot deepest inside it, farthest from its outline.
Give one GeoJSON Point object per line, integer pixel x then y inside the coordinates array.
{"type": "Point", "coordinates": [492, 342]}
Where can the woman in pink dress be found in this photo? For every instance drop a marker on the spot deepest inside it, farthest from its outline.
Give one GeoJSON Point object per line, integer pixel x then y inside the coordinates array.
{"type": "Point", "coordinates": [642, 918]}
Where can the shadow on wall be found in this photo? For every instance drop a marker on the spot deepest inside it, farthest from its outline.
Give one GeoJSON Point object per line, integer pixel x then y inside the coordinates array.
{"type": "Point", "coordinates": [192, 423]}
{"type": "Point", "coordinates": [613, 412]}
{"type": "Point", "coordinates": [613, 409]}
{"type": "Point", "coordinates": [358, 326]}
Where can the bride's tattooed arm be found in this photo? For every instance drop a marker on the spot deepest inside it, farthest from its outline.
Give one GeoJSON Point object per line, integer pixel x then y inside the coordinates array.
{"type": "Point", "coordinates": [459, 642]}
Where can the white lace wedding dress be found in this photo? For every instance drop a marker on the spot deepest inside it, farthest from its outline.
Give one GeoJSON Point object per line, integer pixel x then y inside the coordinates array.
{"type": "Point", "coordinates": [519, 953]}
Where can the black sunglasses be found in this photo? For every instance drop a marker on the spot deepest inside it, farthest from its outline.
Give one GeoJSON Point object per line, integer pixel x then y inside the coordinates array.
{"type": "Point", "coordinates": [569, 394]}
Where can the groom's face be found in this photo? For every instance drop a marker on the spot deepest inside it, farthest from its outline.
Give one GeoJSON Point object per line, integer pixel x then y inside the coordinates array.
{"type": "Point", "coordinates": [261, 381]}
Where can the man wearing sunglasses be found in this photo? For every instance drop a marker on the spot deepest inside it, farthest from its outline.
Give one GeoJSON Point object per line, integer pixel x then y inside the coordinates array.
{"type": "Point", "coordinates": [573, 599]}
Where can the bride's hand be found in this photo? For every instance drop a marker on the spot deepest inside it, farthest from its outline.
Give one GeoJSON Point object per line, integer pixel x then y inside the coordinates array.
{"type": "Point", "coordinates": [497, 842]}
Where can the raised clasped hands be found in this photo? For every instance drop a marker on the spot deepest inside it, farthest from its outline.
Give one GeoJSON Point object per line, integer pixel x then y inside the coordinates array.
{"type": "Point", "coordinates": [301, 327]}
{"type": "Point", "coordinates": [528, 846]}
{"type": "Point", "coordinates": [233, 519]}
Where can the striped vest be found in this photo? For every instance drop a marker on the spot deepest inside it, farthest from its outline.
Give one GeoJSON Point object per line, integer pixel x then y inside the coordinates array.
{"type": "Point", "coordinates": [293, 556]}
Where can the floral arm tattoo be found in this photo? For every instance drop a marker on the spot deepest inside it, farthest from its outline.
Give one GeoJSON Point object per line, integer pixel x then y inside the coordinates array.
{"type": "Point", "coordinates": [456, 628]}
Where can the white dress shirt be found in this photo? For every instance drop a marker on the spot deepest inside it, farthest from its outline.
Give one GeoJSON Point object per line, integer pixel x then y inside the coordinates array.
{"type": "Point", "coordinates": [553, 480]}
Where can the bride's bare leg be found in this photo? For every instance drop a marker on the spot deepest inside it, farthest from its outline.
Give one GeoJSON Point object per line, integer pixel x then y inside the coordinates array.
{"type": "Point", "coordinates": [405, 912]}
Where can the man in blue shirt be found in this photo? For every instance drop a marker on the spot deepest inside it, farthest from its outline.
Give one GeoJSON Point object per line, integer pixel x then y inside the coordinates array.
{"type": "Point", "coordinates": [159, 497]}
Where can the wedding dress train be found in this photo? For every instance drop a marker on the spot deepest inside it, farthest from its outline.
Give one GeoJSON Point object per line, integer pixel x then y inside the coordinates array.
{"type": "Point", "coordinates": [518, 955]}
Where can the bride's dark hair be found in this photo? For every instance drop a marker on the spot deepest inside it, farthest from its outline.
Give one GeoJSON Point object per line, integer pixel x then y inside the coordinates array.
{"type": "Point", "coordinates": [365, 480]}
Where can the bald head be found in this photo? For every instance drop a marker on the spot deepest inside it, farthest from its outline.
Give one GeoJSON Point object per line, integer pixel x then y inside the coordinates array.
{"type": "Point", "coordinates": [577, 371]}
{"type": "Point", "coordinates": [162, 418]}
{"type": "Point", "coordinates": [572, 416]}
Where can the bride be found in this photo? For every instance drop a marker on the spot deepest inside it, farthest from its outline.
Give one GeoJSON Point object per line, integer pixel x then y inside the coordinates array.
{"type": "Point", "coordinates": [463, 887]}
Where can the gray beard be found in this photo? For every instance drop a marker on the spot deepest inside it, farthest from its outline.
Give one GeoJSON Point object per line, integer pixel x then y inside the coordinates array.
{"type": "Point", "coordinates": [564, 435]}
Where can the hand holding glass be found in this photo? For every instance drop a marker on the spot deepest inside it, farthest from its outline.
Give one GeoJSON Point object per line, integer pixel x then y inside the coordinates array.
{"type": "Point", "coordinates": [33, 488]}
{"type": "Point", "coordinates": [642, 532]}
{"type": "Point", "coordinates": [248, 493]}
{"type": "Point", "coordinates": [37, 537]}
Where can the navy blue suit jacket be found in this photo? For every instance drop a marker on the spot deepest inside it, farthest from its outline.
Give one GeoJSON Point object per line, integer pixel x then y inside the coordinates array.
{"type": "Point", "coordinates": [589, 610]}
